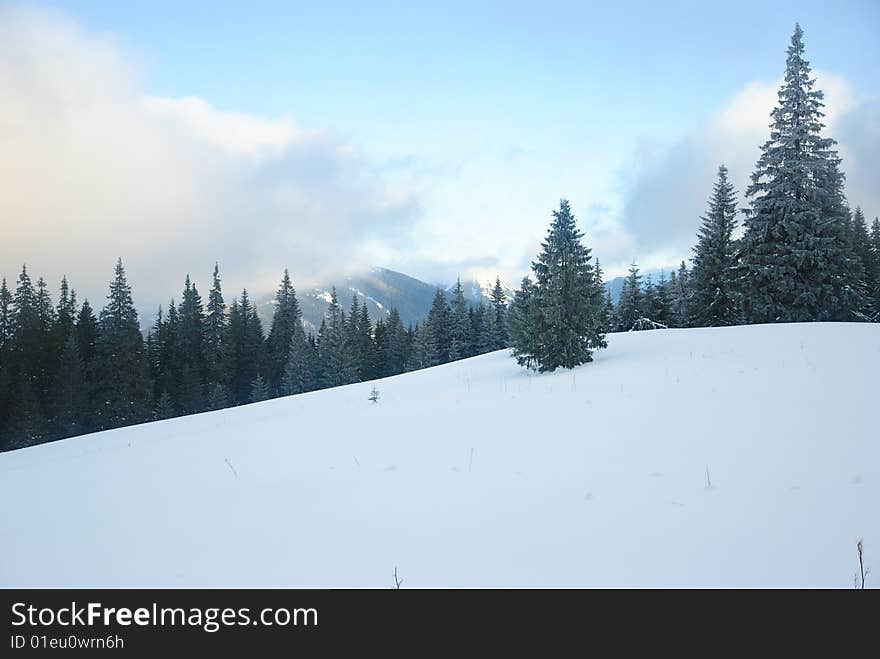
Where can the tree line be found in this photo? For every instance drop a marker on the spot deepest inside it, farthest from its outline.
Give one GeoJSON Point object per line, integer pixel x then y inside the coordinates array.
{"type": "Point", "coordinates": [804, 255]}
{"type": "Point", "coordinates": [66, 371]}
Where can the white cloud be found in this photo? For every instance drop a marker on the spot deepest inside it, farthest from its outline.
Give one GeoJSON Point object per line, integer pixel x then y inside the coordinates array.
{"type": "Point", "coordinates": [93, 168]}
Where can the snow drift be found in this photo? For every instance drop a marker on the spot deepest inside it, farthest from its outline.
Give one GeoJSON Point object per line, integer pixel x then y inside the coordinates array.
{"type": "Point", "coordinates": [479, 473]}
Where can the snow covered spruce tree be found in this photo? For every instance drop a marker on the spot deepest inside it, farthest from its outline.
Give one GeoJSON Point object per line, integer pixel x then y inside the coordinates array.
{"type": "Point", "coordinates": [796, 259]}
{"type": "Point", "coordinates": [557, 322]}
{"type": "Point", "coordinates": [629, 305]}
{"type": "Point", "coordinates": [714, 301]}
{"type": "Point", "coordinates": [122, 374]}
{"type": "Point", "coordinates": [286, 327]}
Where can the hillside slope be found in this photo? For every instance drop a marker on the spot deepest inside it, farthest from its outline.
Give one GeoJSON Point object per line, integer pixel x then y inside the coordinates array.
{"type": "Point", "coordinates": [479, 473]}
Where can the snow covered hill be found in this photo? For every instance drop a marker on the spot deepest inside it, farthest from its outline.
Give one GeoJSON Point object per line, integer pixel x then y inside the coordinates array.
{"type": "Point", "coordinates": [479, 473]}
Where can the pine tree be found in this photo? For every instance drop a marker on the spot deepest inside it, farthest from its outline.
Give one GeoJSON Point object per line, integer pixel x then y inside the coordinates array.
{"type": "Point", "coordinates": [216, 357]}
{"type": "Point", "coordinates": [860, 241]}
{"type": "Point", "coordinates": [797, 263]}
{"type": "Point", "coordinates": [662, 310]}
{"type": "Point", "coordinates": [482, 329]}
{"type": "Point", "coordinates": [27, 359]}
{"type": "Point", "coordinates": [246, 348]}
{"type": "Point", "coordinates": [259, 390]}
{"type": "Point", "coordinates": [163, 351]}
{"type": "Point", "coordinates": [649, 300]}
{"type": "Point", "coordinates": [715, 299]}
{"type": "Point", "coordinates": [301, 371]}
{"type": "Point", "coordinates": [521, 321]}
{"type": "Point", "coordinates": [335, 365]}
{"type": "Point", "coordinates": [123, 379]}
{"type": "Point", "coordinates": [609, 322]}
{"type": "Point", "coordinates": [875, 250]}
{"type": "Point", "coordinates": [367, 349]}
{"type": "Point", "coordinates": [459, 325]}
{"type": "Point", "coordinates": [680, 289]}
{"type": "Point", "coordinates": [499, 303]}
{"type": "Point", "coordinates": [69, 399]}
{"type": "Point", "coordinates": [354, 352]}
{"type": "Point", "coordinates": [286, 322]}
{"type": "Point", "coordinates": [301, 364]}
{"type": "Point", "coordinates": [629, 304]}
{"type": "Point", "coordinates": [86, 335]}
{"type": "Point", "coordinates": [190, 344]}
{"type": "Point", "coordinates": [394, 351]}
{"type": "Point", "coordinates": [6, 334]}
{"type": "Point", "coordinates": [419, 356]}
{"type": "Point", "coordinates": [565, 303]}
{"type": "Point", "coordinates": [437, 332]}
{"type": "Point", "coordinates": [65, 313]}
{"type": "Point", "coordinates": [6, 318]}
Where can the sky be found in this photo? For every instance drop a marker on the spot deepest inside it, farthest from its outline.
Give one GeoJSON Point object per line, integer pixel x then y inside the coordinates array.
{"type": "Point", "coordinates": [431, 138]}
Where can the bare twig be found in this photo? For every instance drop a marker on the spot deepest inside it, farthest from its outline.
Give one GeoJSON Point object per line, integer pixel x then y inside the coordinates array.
{"type": "Point", "coordinates": [862, 571]}
{"type": "Point", "coordinates": [234, 473]}
{"type": "Point", "coordinates": [397, 581]}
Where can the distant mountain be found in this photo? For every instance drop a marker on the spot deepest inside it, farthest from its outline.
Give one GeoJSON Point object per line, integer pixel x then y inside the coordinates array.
{"type": "Point", "coordinates": [380, 289]}
{"type": "Point", "coordinates": [615, 285]}
{"type": "Point", "coordinates": [476, 292]}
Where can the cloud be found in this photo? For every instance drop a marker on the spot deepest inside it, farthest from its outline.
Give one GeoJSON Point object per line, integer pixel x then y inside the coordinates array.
{"type": "Point", "coordinates": [667, 188]}
{"type": "Point", "coordinates": [93, 168]}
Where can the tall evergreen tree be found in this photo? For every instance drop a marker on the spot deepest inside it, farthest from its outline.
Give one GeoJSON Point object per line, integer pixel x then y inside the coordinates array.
{"type": "Point", "coordinates": [246, 348]}
{"type": "Point", "coordinates": [301, 373]}
{"type": "Point", "coordinates": [123, 378]}
{"type": "Point", "coordinates": [680, 289]}
{"type": "Point", "coordinates": [336, 367]}
{"type": "Point", "coordinates": [436, 331]}
{"type": "Point", "coordinates": [27, 361]}
{"type": "Point", "coordinates": [367, 350]}
{"type": "Point", "coordinates": [482, 329]}
{"type": "Point", "coordinates": [6, 318]}
{"type": "Point", "coordinates": [609, 321]}
{"type": "Point", "coordinates": [860, 239]}
{"type": "Point", "coordinates": [499, 303]}
{"type": "Point", "coordinates": [662, 310]}
{"type": "Point", "coordinates": [259, 390]}
{"type": "Point", "coordinates": [875, 250]}
{"type": "Point", "coordinates": [86, 335]}
{"type": "Point", "coordinates": [70, 394]}
{"type": "Point", "coordinates": [459, 325]}
{"type": "Point", "coordinates": [394, 352]}
{"type": "Point", "coordinates": [191, 351]}
{"type": "Point", "coordinates": [797, 263]}
{"type": "Point", "coordinates": [65, 313]}
{"type": "Point", "coordinates": [6, 334]}
{"type": "Point", "coordinates": [566, 300]}
{"type": "Point", "coordinates": [715, 298]}
{"type": "Point", "coordinates": [301, 364]}
{"type": "Point", "coordinates": [629, 304]}
{"type": "Point", "coordinates": [649, 299]}
{"type": "Point", "coordinates": [286, 322]}
{"type": "Point", "coordinates": [522, 319]}
{"type": "Point", "coordinates": [216, 357]}
{"type": "Point", "coordinates": [354, 352]}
